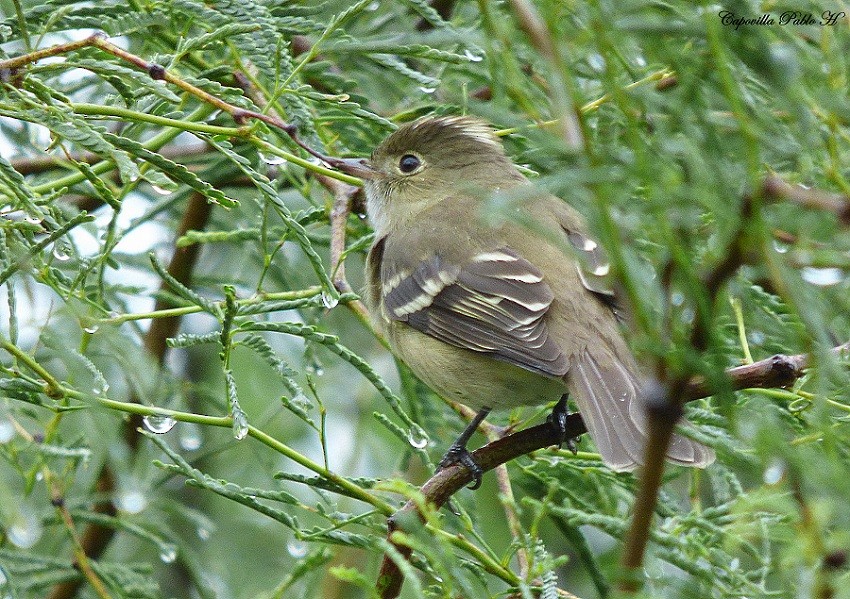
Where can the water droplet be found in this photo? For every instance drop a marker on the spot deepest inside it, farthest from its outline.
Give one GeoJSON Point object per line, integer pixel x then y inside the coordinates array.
{"type": "Point", "coordinates": [735, 563]}
{"type": "Point", "coordinates": [361, 215]}
{"type": "Point", "coordinates": [61, 251]}
{"type": "Point", "coordinates": [472, 57]}
{"type": "Point", "coordinates": [272, 159]}
{"type": "Point", "coordinates": [781, 248]}
{"type": "Point", "coordinates": [373, 6]}
{"type": "Point", "coordinates": [417, 438]}
{"type": "Point", "coordinates": [190, 437]}
{"type": "Point", "coordinates": [39, 476]}
{"type": "Point", "coordinates": [91, 329]}
{"type": "Point", "coordinates": [159, 424]}
{"type": "Point", "coordinates": [427, 90]}
{"type": "Point", "coordinates": [7, 430]}
{"type": "Point", "coordinates": [163, 191]}
{"type": "Point", "coordinates": [640, 61]}
{"type": "Point", "coordinates": [774, 472]}
{"type": "Point", "coordinates": [240, 425]}
{"type": "Point", "coordinates": [677, 299]}
{"type": "Point", "coordinates": [25, 531]}
{"type": "Point", "coordinates": [297, 548]}
{"type": "Point", "coordinates": [168, 553]}
{"type": "Point", "coordinates": [131, 501]}
{"type": "Point", "coordinates": [823, 277]}
{"type": "Point", "coordinates": [329, 301]}
{"type": "Point", "coordinates": [203, 533]}
{"type": "Point", "coordinates": [101, 387]}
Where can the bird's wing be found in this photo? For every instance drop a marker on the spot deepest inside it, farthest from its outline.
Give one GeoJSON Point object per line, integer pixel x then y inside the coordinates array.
{"type": "Point", "coordinates": [494, 303]}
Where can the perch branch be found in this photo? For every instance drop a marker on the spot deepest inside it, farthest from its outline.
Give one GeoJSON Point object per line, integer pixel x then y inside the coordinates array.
{"type": "Point", "coordinates": [776, 371]}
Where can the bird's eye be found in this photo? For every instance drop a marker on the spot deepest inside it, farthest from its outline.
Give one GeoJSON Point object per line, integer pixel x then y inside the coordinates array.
{"type": "Point", "coordinates": [408, 163]}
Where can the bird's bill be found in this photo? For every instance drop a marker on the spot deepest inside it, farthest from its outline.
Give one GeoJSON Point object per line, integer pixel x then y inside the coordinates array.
{"type": "Point", "coordinates": [357, 167]}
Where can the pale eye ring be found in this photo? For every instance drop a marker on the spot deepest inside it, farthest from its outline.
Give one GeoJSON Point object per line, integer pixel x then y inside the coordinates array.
{"type": "Point", "coordinates": [409, 163]}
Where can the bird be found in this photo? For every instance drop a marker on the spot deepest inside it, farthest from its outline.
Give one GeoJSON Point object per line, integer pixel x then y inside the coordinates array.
{"type": "Point", "coordinates": [496, 313]}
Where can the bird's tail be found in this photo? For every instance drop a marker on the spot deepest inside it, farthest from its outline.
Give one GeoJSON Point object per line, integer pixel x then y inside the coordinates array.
{"type": "Point", "coordinates": [610, 401]}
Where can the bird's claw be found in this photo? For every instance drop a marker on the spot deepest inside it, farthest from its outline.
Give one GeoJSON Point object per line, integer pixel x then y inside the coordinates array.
{"type": "Point", "coordinates": [558, 420]}
{"type": "Point", "coordinates": [458, 454]}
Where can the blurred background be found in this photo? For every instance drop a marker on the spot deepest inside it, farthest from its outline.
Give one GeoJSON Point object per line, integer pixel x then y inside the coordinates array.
{"type": "Point", "coordinates": [155, 252]}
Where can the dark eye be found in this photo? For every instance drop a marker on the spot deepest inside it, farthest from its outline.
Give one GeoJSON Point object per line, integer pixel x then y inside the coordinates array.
{"type": "Point", "coordinates": [408, 163]}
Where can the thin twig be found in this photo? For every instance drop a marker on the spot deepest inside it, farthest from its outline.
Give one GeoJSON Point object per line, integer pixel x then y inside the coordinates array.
{"type": "Point", "coordinates": [158, 72]}
{"type": "Point", "coordinates": [776, 371]}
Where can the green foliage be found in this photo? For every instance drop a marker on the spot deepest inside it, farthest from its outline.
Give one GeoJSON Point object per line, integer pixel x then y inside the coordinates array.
{"type": "Point", "coordinates": [289, 435]}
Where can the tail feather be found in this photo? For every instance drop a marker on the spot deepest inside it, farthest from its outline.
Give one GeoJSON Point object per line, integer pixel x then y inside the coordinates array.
{"type": "Point", "coordinates": [611, 404]}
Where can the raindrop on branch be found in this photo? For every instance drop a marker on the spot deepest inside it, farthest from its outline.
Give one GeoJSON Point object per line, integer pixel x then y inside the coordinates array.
{"type": "Point", "coordinates": [159, 424]}
{"type": "Point", "coordinates": [417, 438]}
{"type": "Point", "coordinates": [272, 159]}
{"type": "Point", "coordinates": [240, 425]}
{"type": "Point", "coordinates": [329, 301]}
{"type": "Point", "coordinates": [61, 251]}
{"type": "Point", "coordinates": [25, 531]}
{"type": "Point", "coordinates": [471, 57]}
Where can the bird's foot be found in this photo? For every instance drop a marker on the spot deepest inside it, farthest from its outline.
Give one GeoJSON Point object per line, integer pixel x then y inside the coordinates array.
{"type": "Point", "coordinates": [459, 454]}
{"type": "Point", "coordinates": [558, 420]}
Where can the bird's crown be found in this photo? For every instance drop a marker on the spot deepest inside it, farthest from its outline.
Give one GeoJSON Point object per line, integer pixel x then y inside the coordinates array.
{"type": "Point", "coordinates": [434, 133]}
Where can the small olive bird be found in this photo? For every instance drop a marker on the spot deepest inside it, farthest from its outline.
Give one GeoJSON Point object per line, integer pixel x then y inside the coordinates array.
{"type": "Point", "coordinates": [497, 314]}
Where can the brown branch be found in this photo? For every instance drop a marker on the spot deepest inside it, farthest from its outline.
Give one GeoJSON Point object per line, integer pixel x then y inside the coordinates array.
{"type": "Point", "coordinates": [775, 188]}
{"type": "Point", "coordinates": [664, 406]}
{"type": "Point", "coordinates": [776, 371]}
{"type": "Point", "coordinates": [95, 538]}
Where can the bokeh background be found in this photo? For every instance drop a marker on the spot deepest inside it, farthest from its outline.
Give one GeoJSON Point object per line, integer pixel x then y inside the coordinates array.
{"type": "Point", "coordinates": [155, 252]}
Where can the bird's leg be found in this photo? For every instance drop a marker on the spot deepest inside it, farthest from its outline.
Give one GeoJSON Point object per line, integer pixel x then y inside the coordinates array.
{"type": "Point", "coordinates": [558, 419]}
{"type": "Point", "coordinates": [458, 454]}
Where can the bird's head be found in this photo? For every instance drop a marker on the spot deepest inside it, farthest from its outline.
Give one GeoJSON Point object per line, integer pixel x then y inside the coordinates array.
{"type": "Point", "coordinates": [429, 160]}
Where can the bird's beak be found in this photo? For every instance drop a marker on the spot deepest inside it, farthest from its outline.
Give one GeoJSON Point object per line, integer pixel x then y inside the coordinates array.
{"type": "Point", "coordinates": [357, 167]}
